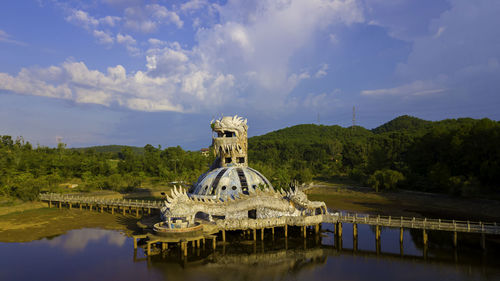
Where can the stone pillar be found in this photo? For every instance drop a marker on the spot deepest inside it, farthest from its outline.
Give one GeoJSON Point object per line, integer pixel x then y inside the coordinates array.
{"type": "Point", "coordinates": [69, 203]}
{"type": "Point", "coordinates": [90, 208]}
{"type": "Point", "coordinates": [214, 243]}
{"type": "Point", "coordinates": [185, 249]}
{"type": "Point", "coordinates": [164, 246]}
{"type": "Point", "coordinates": [50, 204]}
{"type": "Point", "coordinates": [80, 206]}
{"type": "Point", "coordinates": [136, 212]}
{"type": "Point", "coordinates": [254, 234]}
{"type": "Point", "coordinates": [112, 210]}
{"type": "Point", "coordinates": [304, 231]}
{"type": "Point", "coordinates": [101, 207]}
{"type": "Point", "coordinates": [60, 204]}
{"type": "Point", "coordinates": [123, 210]}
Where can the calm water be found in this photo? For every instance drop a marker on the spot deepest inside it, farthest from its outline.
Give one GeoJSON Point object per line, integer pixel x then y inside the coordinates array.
{"type": "Point", "coordinates": [95, 254]}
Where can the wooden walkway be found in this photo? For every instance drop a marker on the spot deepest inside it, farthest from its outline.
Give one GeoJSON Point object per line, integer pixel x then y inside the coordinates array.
{"type": "Point", "coordinates": [417, 223]}
{"type": "Point", "coordinates": [383, 221]}
{"type": "Point", "coordinates": [101, 203]}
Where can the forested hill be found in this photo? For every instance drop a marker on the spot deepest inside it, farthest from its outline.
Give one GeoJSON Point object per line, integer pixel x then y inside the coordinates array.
{"type": "Point", "coordinates": [458, 156]}
{"type": "Point", "coordinates": [113, 150]}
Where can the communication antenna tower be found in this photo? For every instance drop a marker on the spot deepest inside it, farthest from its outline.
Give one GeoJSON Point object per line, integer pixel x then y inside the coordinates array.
{"type": "Point", "coordinates": [353, 116]}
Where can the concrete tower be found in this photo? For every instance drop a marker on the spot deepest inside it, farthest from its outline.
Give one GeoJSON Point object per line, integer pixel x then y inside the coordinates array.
{"type": "Point", "coordinates": [230, 141]}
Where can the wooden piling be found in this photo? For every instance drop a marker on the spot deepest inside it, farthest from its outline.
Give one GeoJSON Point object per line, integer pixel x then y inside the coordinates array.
{"type": "Point", "coordinates": [50, 204]}
{"type": "Point", "coordinates": [223, 235]}
{"type": "Point", "coordinates": [214, 242]}
{"type": "Point", "coordinates": [80, 206]}
{"type": "Point", "coordinates": [377, 232]}
{"type": "Point", "coordinates": [136, 212]}
{"type": "Point", "coordinates": [286, 231]}
{"type": "Point", "coordinates": [401, 235]}
{"type": "Point", "coordinates": [355, 230]}
{"type": "Point", "coordinates": [483, 241]}
{"type": "Point", "coordinates": [123, 210]}
{"type": "Point", "coordinates": [135, 242]}
{"type": "Point", "coordinates": [101, 207]}
{"type": "Point", "coordinates": [339, 229]}
{"type": "Point", "coordinates": [316, 229]}
{"type": "Point", "coordinates": [254, 234]}
{"type": "Point", "coordinates": [304, 231]}
{"type": "Point", "coordinates": [425, 237]}
{"type": "Point", "coordinates": [60, 204]}
{"type": "Point", "coordinates": [455, 242]}
{"type": "Point", "coordinates": [185, 248]}
{"type": "Point", "coordinates": [262, 234]}
{"type": "Point", "coordinates": [69, 204]}
{"type": "Point", "coordinates": [272, 230]}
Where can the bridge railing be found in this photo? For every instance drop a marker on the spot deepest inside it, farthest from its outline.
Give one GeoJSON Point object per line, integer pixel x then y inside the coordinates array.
{"type": "Point", "coordinates": [55, 197]}
{"type": "Point", "coordinates": [423, 223]}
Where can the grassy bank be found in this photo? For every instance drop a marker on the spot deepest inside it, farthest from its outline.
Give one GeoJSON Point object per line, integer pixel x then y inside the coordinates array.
{"type": "Point", "coordinates": [404, 203]}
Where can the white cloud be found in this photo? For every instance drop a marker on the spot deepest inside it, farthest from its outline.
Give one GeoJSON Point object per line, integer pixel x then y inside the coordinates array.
{"type": "Point", "coordinates": [82, 18]}
{"type": "Point", "coordinates": [416, 88]}
{"type": "Point", "coordinates": [6, 38]}
{"type": "Point", "coordinates": [110, 20]}
{"type": "Point", "coordinates": [243, 61]}
{"type": "Point", "coordinates": [322, 71]}
{"type": "Point", "coordinates": [125, 39]}
{"type": "Point", "coordinates": [193, 5]}
{"type": "Point", "coordinates": [147, 19]}
{"type": "Point", "coordinates": [103, 37]}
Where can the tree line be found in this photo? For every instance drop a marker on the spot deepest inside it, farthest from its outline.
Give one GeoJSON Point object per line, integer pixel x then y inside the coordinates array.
{"type": "Point", "coordinates": [455, 156]}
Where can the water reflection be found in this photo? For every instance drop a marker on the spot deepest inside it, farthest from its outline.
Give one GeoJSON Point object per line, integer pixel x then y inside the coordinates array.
{"type": "Point", "coordinates": [77, 240]}
{"type": "Point", "coordinates": [89, 254]}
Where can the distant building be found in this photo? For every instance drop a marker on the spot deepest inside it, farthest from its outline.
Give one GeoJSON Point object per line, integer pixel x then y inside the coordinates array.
{"type": "Point", "coordinates": [205, 151]}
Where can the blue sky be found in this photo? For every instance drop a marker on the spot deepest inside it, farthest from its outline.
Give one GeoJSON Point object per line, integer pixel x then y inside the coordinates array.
{"type": "Point", "coordinates": [135, 71]}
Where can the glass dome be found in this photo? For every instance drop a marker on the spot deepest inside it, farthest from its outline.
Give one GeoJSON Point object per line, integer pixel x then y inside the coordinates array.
{"type": "Point", "coordinates": [226, 182]}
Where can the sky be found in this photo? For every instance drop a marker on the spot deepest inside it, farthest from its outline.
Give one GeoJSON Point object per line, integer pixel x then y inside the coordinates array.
{"type": "Point", "coordinates": [137, 72]}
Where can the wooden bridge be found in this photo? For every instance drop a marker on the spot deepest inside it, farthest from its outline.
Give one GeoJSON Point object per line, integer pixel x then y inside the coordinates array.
{"type": "Point", "coordinates": [126, 205]}
{"type": "Point", "coordinates": [313, 222]}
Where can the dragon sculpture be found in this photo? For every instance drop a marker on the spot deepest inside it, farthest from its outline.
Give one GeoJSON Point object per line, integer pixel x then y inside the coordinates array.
{"type": "Point", "coordinates": [274, 203]}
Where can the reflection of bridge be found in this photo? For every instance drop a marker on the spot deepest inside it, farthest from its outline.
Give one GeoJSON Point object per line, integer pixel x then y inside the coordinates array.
{"type": "Point", "coordinates": [304, 222]}
{"type": "Point", "coordinates": [285, 255]}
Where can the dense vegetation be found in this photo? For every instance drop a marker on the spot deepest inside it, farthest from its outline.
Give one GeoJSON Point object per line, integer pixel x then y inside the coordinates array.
{"type": "Point", "coordinates": [460, 157]}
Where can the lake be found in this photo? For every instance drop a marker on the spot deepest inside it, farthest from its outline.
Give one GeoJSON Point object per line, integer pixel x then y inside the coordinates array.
{"type": "Point", "coordinates": [96, 254]}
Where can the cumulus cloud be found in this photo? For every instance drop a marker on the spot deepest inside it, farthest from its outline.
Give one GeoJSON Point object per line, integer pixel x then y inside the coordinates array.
{"type": "Point", "coordinates": [148, 18]}
{"type": "Point", "coordinates": [82, 18]}
{"type": "Point", "coordinates": [103, 37]}
{"type": "Point", "coordinates": [242, 61]}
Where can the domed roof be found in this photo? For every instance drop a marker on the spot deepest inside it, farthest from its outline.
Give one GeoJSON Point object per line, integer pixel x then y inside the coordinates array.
{"type": "Point", "coordinates": [227, 181]}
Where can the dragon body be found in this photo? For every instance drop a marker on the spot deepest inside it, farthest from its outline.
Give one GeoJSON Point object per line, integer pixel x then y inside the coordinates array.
{"type": "Point", "coordinates": [266, 203]}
